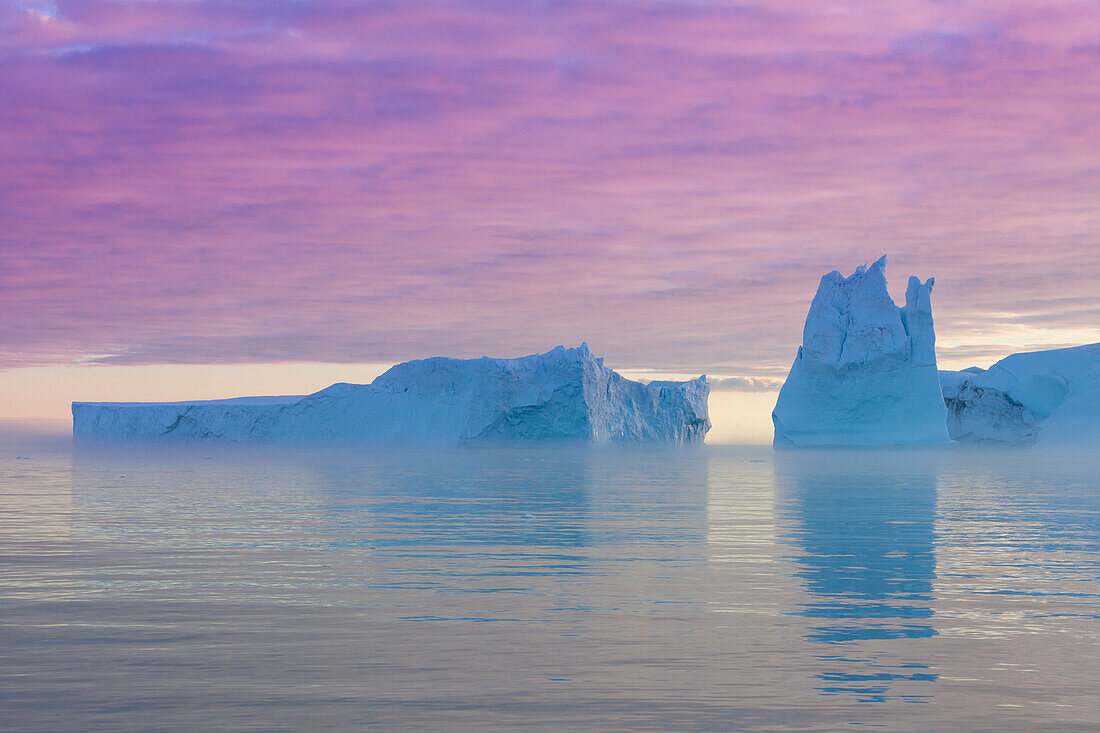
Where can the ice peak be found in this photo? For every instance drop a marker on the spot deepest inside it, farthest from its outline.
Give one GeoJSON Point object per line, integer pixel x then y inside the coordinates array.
{"type": "Point", "coordinates": [918, 295]}
{"type": "Point", "coordinates": [858, 346]}
{"type": "Point", "coordinates": [878, 267]}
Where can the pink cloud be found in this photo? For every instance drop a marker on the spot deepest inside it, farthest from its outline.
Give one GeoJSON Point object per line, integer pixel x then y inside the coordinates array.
{"type": "Point", "coordinates": [187, 182]}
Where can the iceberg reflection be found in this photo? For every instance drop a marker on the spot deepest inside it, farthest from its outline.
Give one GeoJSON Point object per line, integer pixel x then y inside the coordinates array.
{"type": "Point", "coordinates": [863, 522]}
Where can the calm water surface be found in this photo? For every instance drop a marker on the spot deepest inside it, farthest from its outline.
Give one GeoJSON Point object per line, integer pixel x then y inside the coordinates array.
{"type": "Point", "coordinates": [715, 589]}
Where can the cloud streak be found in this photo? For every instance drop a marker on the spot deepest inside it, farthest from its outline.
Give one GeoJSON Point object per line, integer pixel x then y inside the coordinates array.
{"type": "Point", "coordinates": [187, 182]}
{"type": "Point", "coordinates": [745, 384]}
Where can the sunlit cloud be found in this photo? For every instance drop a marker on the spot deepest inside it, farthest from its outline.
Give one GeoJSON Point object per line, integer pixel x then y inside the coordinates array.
{"type": "Point", "coordinates": [745, 384]}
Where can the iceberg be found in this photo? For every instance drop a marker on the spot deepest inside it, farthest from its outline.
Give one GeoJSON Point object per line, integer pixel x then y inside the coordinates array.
{"type": "Point", "coordinates": [866, 371]}
{"type": "Point", "coordinates": [564, 395]}
{"type": "Point", "coordinates": [1046, 398]}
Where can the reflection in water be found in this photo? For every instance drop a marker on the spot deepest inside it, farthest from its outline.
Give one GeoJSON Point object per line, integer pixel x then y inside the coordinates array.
{"type": "Point", "coordinates": [390, 498]}
{"type": "Point", "coordinates": [863, 522]}
{"type": "Point", "coordinates": [721, 589]}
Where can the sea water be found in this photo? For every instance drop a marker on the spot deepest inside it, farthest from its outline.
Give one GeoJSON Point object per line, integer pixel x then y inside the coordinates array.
{"type": "Point", "coordinates": [206, 587]}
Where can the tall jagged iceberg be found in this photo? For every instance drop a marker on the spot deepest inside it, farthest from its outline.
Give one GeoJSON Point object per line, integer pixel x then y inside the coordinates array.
{"type": "Point", "coordinates": [866, 371]}
{"type": "Point", "coordinates": [1047, 398]}
{"type": "Point", "coordinates": [564, 395]}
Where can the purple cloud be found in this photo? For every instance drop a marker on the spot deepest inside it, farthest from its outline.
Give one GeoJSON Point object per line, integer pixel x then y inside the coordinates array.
{"type": "Point", "coordinates": [193, 182]}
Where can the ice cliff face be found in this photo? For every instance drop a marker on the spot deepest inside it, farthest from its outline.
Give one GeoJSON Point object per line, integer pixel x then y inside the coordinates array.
{"type": "Point", "coordinates": [1049, 398]}
{"type": "Point", "coordinates": [866, 371]}
{"type": "Point", "coordinates": [563, 395]}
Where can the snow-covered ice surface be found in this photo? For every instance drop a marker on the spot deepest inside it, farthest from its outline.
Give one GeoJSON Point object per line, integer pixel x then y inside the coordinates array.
{"type": "Point", "coordinates": [1049, 398]}
{"type": "Point", "coordinates": [564, 395]}
{"type": "Point", "coordinates": [866, 371]}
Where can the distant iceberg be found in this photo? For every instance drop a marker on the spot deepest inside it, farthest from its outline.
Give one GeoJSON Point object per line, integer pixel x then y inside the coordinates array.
{"type": "Point", "coordinates": [866, 371]}
{"type": "Point", "coordinates": [564, 395]}
{"type": "Point", "coordinates": [1046, 398]}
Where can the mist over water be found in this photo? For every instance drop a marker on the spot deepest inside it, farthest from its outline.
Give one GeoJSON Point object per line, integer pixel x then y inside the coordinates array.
{"type": "Point", "coordinates": [719, 588]}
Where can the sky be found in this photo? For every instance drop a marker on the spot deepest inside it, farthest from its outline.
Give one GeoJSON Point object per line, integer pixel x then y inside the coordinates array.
{"type": "Point", "coordinates": [251, 187]}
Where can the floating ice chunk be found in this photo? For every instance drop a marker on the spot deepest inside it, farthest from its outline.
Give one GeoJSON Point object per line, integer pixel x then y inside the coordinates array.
{"type": "Point", "coordinates": [866, 371]}
{"type": "Point", "coordinates": [563, 395]}
{"type": "Point", "coordinates": [1050, 398]}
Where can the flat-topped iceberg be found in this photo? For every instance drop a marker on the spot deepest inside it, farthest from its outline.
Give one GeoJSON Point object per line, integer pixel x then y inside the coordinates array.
{"type": "Point", "coordinates": [564, 395]}
{"type": "Point", "coordinates": [1049, 398]}
{"type": "Point", "coordinates": [866, 371]}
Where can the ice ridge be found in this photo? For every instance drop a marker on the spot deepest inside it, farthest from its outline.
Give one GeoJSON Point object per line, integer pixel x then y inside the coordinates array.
{"type": "Point", "coordinates": [564, 395]}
